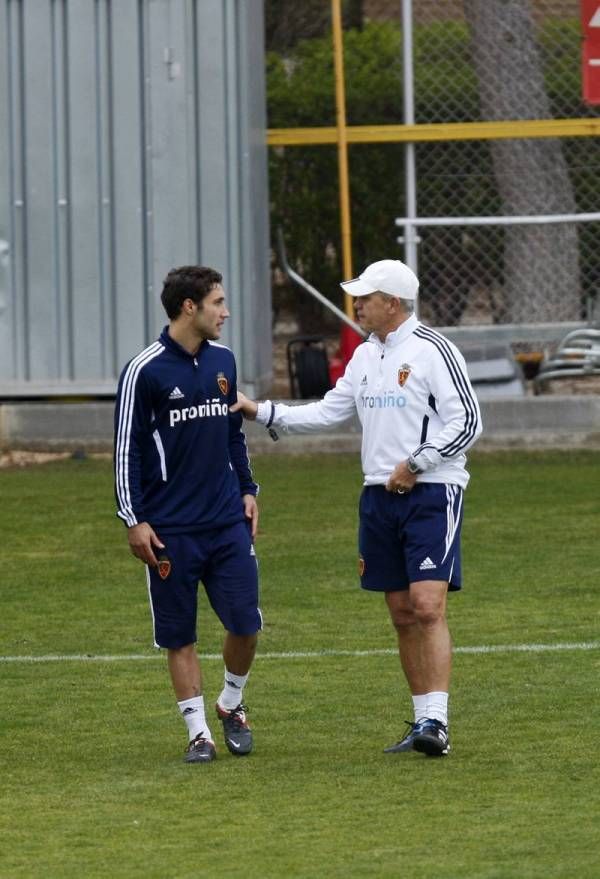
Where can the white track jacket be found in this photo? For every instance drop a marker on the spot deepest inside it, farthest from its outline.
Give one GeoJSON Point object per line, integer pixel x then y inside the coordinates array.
{"type": "Point", "coordinates": [412, 396]}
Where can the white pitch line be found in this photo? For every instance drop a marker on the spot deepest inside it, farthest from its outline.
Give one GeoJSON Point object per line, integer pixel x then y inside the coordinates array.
{"type": "Point", "coordinates": [314, 654]}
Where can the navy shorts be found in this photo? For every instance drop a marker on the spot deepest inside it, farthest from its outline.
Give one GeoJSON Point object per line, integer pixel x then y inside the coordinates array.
{"type": "Point", "coordinates": [225, 562]}
{"type": "Point", "coordinates": [406, 538]}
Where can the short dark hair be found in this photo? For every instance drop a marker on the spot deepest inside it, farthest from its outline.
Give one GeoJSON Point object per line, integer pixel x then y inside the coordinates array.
{"type": "Point", "coordinates": [187, 282]}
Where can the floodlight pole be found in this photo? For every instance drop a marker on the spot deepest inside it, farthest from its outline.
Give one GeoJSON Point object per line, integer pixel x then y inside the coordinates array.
{"type": "Point", "coordinates": [342, 145]}
{"type": "Point", "coordinates": [410, 177]}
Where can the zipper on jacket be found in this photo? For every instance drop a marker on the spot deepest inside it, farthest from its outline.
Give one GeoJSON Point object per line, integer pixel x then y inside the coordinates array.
{"type": "Point", "coordinates": [380, 376]}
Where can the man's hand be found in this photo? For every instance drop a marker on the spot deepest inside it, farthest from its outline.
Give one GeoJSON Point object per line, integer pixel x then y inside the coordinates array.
{"type": "Point", "coordinates": [251, 512]}
{"type": "Point", "coordinates": [247, 407]}
{"type": "Point", "coordinates": [401, 479]}
{"type": "Point", "coordinates": [142, 541]}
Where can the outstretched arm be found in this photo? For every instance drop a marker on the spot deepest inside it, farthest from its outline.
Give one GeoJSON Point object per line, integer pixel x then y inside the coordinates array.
{"type": "Point", "coordinates": [337, 406]}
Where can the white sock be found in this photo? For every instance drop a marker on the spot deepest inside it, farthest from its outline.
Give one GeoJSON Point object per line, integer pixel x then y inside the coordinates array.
{"type": "Point", "coordinates": [233, 690]}
{"type": "Point", "coordinates": [437, 707]}
{"type": "Point", "coordinates": [420, 706]}
{"type": "Point", "coordinates": [195, 719]}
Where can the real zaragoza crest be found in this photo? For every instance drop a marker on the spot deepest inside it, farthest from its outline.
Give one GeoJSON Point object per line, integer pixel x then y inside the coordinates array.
{"type": "Point", "coordinates": [222, 382]}
{"type": "Point", "coordinates": [403, 374]}
{"type": "Point", "coordinates": [164, 567]}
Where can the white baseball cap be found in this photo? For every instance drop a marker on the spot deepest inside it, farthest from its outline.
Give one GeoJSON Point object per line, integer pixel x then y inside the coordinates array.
{"type": "Point", "coordinates": [386, 276]}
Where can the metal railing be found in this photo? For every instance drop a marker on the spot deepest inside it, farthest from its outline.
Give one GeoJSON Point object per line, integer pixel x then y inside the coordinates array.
{"type": "Point", "coordinates": [312, 291]}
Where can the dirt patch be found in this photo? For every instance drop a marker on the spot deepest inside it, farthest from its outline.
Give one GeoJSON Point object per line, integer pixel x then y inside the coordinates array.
{"type": "Point", "coordinates": [19, 458]}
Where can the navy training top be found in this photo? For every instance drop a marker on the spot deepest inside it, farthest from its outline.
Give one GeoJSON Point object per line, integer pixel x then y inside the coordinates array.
{"type": "Point", "coordinates": [181, 460]}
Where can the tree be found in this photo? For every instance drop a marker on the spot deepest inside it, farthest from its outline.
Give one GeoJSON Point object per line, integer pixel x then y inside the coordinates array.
{"type": "Point", "coordinates": [532, 175]}
{"type": "Point", "coordinates": [304, 180]}
{"type": "Point", "coordinates": [288, 21]}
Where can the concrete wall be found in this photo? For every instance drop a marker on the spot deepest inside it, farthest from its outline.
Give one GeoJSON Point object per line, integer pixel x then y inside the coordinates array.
{"type": "Point", "coordinates": [529, 422]}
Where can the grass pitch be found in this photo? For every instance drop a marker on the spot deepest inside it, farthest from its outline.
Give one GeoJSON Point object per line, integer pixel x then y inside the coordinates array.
{"type": "Point", "coordinates": [92, 781]}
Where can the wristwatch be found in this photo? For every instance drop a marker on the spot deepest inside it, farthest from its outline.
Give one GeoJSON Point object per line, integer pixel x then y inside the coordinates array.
{"type": "Point", "coordinates": [412, 466]}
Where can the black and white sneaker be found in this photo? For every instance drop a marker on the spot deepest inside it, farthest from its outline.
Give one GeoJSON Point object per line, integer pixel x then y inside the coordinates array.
{"type": "Point", "coordinates": [432, 738]}
{"type": "Point", "coordinates": [406, 743]}
{"type": "Point", "coordinates": [238, 735]}
{"type": "Point", "coordinates": [200, 750]}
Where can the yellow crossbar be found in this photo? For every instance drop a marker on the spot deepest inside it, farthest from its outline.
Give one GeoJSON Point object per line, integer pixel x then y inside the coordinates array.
{"type": "Point", "coordinates": [522, 128]}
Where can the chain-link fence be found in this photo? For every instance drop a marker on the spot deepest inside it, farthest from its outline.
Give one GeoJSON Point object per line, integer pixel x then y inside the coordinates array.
{"type": "Point", "coordinates": [474, 60]}
{"type": "Point", "coordinates": [505, 61]}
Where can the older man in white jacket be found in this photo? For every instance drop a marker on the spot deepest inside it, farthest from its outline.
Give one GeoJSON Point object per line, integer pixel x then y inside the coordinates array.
{"type": "Point", "coordinates": [409, 386]}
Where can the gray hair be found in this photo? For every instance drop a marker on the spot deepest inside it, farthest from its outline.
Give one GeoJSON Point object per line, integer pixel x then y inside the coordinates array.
{"type": "Point", "coordinates": [407, 305]}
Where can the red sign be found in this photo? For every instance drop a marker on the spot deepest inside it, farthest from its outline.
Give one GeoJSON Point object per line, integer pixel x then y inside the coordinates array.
{"type": "Point", "coordinates": [590, 59]}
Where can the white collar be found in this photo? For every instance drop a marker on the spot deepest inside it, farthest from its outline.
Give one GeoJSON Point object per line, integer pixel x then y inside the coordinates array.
{"type": "Point", "coordinates": [394, 338]}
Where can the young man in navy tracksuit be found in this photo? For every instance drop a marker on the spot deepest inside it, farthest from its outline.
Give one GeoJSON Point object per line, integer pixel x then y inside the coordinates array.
{"type": "Point", "coordinates": [185, 492]}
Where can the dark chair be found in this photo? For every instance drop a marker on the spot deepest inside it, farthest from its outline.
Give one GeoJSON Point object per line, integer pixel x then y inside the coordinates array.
{"type": "Point", "coordinates": [308, 367]}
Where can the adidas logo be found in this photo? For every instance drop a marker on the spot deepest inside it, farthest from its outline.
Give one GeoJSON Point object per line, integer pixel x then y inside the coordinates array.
{"type": "Point", "coordinates": [364, 380]}
{"type": "Point", "coordinates": [176, 394]}
{"type": "Point", "coordinates": [427, 565]}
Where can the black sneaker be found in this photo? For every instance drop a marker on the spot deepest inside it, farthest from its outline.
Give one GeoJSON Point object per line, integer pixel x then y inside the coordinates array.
{"type": "Point", "coordinates": [406, 743]}
{"type": "Point", "coordinates": [432, 739]}
{"type": "Point", "coordinates": [200, 750]}
{"type": "Point", "coordinates": [238, 735]}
